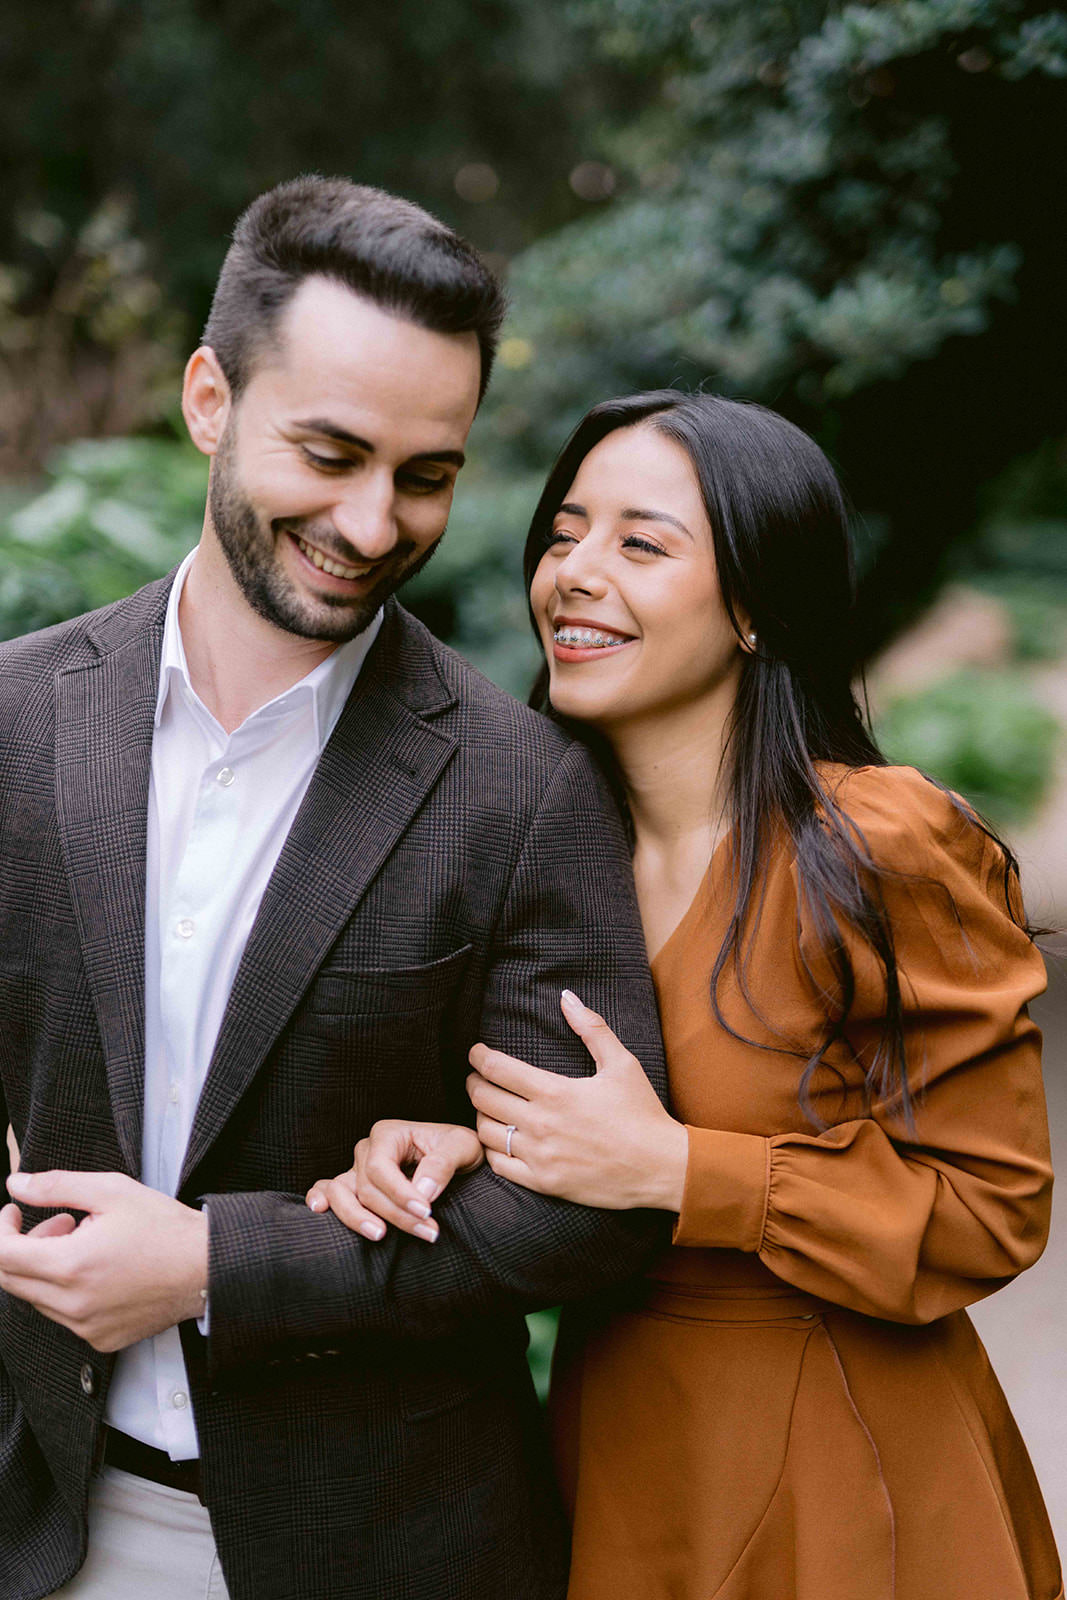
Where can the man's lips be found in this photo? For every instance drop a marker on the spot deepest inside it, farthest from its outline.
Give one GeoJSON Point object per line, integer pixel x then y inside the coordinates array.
{"type": "Point", "coordinates": [325, 565]}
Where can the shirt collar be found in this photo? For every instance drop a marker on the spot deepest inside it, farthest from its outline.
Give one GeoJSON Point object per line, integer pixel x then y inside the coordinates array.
{"type": "Point", "coordinates": [326, 687]}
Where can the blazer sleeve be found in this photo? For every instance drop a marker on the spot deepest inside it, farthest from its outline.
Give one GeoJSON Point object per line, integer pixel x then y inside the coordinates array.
{"type": "Point", "coordinates": [280, 1275]}
{"type": "Point", "coordinates": [908, 1223]}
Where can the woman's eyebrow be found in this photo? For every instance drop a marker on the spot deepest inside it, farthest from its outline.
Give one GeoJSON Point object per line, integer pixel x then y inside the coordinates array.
{"type": "Point", "coordinates": [633, 514]}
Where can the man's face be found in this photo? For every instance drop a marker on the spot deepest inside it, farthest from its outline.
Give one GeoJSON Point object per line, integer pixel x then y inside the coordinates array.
{"type": "Point", "coordinates": [334, 475]}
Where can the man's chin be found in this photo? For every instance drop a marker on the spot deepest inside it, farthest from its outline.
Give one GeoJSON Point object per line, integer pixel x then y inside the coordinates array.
{"type": "Point", "coordinates": [336, 618]}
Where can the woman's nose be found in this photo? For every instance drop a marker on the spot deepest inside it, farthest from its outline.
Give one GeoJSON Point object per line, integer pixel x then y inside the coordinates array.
{"type": "Point", "coordinates": [580, 572]}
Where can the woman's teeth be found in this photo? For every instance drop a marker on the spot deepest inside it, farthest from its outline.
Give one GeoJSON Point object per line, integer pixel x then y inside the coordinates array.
{"type": "Point", "coordinates": [333, 568]}
{"type": "Point", "coordinates": [587, 638]}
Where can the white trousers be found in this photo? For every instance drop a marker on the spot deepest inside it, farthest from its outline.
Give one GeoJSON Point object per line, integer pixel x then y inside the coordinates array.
{"type": "Point", "coordinates": [146, 1542]}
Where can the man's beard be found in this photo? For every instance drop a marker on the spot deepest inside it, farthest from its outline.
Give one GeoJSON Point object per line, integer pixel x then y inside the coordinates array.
{"type": "Point", "coordinates": [250, 549]}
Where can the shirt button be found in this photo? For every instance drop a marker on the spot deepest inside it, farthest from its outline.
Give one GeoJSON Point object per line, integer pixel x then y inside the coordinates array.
{"type": "Point", "coordinates": [225, 777]}
{"type": "Point", "coordinates": [186, 927]}
{"type": "Point", "coordinates": [88, 1379]}
{"type": "Point", "coordinates": [175, 1094]}
{"type": "Point", "coordinates": [179, 1400]}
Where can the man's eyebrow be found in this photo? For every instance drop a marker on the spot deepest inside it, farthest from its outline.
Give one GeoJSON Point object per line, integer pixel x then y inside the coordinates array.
{"type": "Point", "coordinates": [332, 430]}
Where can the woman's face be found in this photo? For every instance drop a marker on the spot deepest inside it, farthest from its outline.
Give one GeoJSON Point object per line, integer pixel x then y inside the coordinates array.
{"type": "Point", "coordinates": [626, 597]}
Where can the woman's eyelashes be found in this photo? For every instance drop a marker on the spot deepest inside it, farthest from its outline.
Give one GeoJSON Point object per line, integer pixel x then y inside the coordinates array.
{"type": "Point", "coordinates": [632, 541]}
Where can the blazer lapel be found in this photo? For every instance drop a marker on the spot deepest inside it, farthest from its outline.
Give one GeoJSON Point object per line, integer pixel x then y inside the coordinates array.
{"type": "Point", "coordinates": [104, 722]}
{"type": "Point", "coordinates": [377, 769]}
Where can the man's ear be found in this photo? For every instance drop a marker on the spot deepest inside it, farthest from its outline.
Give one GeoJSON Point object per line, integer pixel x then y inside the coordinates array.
{"type": "Point", "coordinates": [206, 399]}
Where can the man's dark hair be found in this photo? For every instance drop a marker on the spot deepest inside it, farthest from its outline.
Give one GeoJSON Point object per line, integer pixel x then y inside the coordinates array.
{"type": "Point", "coordinates": [384, 248]}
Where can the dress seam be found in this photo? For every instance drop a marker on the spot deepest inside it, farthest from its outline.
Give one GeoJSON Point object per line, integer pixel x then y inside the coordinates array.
{"type": "Point", "coordinates": [877, 1459]}
{"type": "Point", "coordinates": [777, 1482]}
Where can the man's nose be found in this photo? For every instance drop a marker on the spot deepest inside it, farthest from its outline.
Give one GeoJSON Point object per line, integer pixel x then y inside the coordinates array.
{"type": "Point", "coordinates": [364, 515]}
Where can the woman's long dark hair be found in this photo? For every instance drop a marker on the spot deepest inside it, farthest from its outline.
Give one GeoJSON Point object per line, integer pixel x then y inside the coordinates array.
{"type": "Point", "coordinates": [780, 529]}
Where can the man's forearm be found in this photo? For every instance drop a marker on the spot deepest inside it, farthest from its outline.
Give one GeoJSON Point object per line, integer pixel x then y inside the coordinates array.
{"type": "Point", "coordinates": [284, 1280]}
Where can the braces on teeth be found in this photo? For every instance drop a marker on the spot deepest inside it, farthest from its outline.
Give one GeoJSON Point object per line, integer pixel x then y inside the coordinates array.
{"type": "Point", "coordinates": [586, 638]}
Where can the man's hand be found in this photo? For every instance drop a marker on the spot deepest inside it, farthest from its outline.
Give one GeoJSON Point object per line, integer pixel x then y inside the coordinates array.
{"type": "Point", "coordinates": [134, 1266]}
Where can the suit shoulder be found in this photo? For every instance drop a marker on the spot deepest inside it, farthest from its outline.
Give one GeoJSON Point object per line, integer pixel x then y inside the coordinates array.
{"type": "Point", "coordinates": [487, 714]}
{"type": "Point", "coordinates": [32, 660]}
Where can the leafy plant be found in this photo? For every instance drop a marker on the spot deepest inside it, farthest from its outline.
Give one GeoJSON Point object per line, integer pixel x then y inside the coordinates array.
{"type": "Point", "coordinates": [116, 514]}
{"type": "Point", "coordinates": [983, 734]}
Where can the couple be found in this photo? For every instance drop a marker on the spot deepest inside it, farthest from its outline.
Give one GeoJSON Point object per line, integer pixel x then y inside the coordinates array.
{"type": "Point", "coordinates": [275, 864]}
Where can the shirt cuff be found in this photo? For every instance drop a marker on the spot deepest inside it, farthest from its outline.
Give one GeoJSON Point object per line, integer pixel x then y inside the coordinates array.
{"type": "Point", "coordinates": [727, 1183]}
{"type": "Point", "coordinates": [203, 1323]}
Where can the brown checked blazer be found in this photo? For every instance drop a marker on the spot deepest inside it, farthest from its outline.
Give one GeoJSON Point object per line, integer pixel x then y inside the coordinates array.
{"type": "Point", "coordinates": [367, 1425]}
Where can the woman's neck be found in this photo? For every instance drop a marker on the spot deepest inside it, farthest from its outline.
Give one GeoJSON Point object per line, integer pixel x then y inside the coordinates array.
{"type": "Point", "coordinates": [672, 770]}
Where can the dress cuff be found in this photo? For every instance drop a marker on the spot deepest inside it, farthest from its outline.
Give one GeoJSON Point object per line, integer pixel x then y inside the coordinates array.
{"type": "Point", "coordinates": [727, 1181]}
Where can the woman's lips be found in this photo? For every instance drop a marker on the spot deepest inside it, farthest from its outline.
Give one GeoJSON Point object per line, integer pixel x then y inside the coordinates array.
{"type": "Point", "coordinates": [578, 640]}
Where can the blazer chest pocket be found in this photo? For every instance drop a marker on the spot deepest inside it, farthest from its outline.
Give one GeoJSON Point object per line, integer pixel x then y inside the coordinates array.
{"type": "Point", "coordinates": [383, 992]}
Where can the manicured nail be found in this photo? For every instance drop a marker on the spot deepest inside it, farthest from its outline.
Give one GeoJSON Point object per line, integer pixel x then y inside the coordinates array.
{"type": "Point", "coordinates": [427, 1231]}
{"type": "Point", "coordinates": [317, 1203]}
{"type": "Point", "coordinates": [418, 1208]}
{"type": "Point", "coordinates": [427, 1187]}
{"type": "Point", "coordinates": [571, 1001]}
{"type": "Point", "coordinates": [373, 1230]}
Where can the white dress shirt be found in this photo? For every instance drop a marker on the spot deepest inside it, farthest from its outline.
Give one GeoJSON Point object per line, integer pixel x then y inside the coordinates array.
{"type": "Point", "coordinates": [220, 807]}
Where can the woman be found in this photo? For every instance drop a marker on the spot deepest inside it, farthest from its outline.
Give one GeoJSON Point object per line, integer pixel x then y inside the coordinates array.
{"type": "Point", "coordinates": [794, 1402]}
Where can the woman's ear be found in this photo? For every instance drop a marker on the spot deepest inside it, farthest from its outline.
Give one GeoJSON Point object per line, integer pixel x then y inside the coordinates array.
{"type": "Point", "coordinates": [206, 400]}
{"type": "Point", "coordinates": [748, 639]}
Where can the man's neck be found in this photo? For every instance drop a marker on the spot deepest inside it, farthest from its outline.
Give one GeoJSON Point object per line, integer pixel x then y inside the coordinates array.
{"type": "Point", "coordinates": [237, 660]}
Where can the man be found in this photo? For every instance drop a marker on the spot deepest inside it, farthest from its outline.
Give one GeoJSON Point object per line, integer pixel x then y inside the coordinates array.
{"type": "Point", "coordinates": [273, 859]}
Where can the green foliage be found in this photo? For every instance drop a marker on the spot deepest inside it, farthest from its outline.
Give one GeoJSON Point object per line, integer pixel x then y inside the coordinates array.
{"type": "Point", "coordinates": [814, 208]}
{"type": "Point", "coordinates": [783, 225]}
{"type": "Point", "coordinates": [983, 734]}
{"type": "Point", "coordinates": [1019, 553]}
{"type": "Point", "coordinates": [542, 1326]}
{"type": "Point", "coordinates": [471, 593]}
{"type": "Point", "coordinates": [116, 514]}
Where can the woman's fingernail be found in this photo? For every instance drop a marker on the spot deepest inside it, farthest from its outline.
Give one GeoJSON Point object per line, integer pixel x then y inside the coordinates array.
{"type": "Point", "coordinates": [418, 1208]}
{"type": "Point", "coordinates": [427, 1187]}
{"type": "Point", "coordinates": [571, 1001]}
{"type": "Point", "coordinates": [317, 1203]}
{"type": "Point", "coordinates": [19, 1183]}
{"type": "Point", "coordinates": [427, 1231]}
{"type": "Point", "coordinates": [373, 1230]}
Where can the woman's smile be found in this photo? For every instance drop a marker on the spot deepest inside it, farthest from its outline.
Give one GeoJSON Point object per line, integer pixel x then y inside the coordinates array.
{"type": "Point", "coordinates": [577, 639]}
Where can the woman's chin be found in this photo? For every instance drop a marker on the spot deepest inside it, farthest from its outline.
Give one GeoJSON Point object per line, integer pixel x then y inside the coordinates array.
{"type": "Point", "coordinates": [582, 705]}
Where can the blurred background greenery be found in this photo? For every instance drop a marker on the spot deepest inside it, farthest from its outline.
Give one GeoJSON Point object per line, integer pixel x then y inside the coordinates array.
{"type": "Point", "coordinates": [846, 211]}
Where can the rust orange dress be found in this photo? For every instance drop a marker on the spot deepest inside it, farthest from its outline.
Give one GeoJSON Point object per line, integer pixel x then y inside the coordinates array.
{"type": "Point", "coordinates": [795, 1406]}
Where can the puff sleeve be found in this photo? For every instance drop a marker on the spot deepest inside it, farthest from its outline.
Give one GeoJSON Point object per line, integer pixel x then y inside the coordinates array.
{"type": "Point", "coordinates": [906, 1223]}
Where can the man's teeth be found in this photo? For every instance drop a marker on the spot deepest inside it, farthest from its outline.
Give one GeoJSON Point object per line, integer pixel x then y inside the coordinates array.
{"type": "Point", "coordinates": [588, 638]}
{"type": "Point", "coordinates": [334, 568]}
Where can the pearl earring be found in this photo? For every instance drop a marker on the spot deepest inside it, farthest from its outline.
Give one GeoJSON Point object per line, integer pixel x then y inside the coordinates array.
{"type": "Point", "coordinates": [752, 640]}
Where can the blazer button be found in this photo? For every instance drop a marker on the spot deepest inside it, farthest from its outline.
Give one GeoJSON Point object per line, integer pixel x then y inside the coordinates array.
{"type": "Point", "coordinates": [88, 1380]}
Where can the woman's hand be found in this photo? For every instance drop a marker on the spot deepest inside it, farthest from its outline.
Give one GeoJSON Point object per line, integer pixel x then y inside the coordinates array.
{"type": "Point", "coordinates": [601, 1141]}
{"type": "Point", "coordinates": [375, 1190]}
